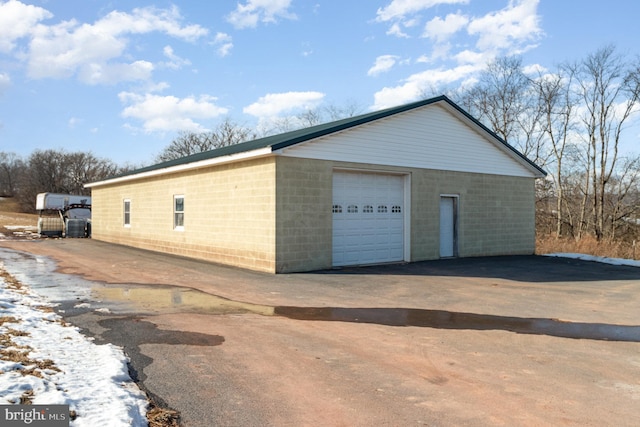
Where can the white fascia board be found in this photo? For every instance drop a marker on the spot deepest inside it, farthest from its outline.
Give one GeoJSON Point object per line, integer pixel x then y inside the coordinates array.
{"type": "Point", "coordinates": [261, 152]}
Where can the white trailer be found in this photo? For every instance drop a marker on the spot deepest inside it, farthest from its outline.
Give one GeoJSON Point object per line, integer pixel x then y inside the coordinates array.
{"type": "Point", "coordinates": [65, 215]}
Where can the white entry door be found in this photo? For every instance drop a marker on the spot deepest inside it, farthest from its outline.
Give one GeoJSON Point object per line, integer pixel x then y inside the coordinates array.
{"type": "Point", "coordinates": [368, 218]}
{"type": "Point", "coordinates": [448, 214]}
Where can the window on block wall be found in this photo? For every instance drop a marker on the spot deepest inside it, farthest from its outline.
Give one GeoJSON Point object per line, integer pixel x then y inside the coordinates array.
{"type": "Point", "coordinates": [178, 212]}
{"type": "Point", "coordinates": [127, 213]}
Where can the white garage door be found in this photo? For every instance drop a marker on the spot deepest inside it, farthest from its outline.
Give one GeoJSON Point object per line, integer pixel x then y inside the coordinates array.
{"type": "Point", "coordinates": [368, 218]}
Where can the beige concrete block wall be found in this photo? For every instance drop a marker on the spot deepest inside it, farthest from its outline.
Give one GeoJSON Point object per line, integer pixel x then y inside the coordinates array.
{"type": "Point", "coordinates": [498, 217]}
{"type": "Point", "coordinates": [496, 214]}
{"type": "Point", "coordinates": [304, 220]}
{"type": "Point", "coordinates": [231, 217]}
{"type": "Point", "coordinates": [229, 214]}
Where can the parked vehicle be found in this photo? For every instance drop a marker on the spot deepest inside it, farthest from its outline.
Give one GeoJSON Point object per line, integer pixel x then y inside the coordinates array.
{"type": "Point", "coordinates": [63, 215]}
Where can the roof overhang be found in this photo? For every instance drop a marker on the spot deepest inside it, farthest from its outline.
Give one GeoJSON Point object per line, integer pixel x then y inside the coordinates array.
{"type": "Point", "coordinates": [253, 154]}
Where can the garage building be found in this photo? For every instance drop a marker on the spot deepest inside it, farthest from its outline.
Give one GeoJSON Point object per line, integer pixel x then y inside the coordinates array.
{"type": "Point", "coordinates": [416, 182]}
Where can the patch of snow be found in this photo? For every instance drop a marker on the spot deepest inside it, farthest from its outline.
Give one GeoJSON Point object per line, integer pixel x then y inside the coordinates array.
{"type": "Point", "coordinates": [82, 305]}
{"type": "Point", "coordinates": [21, 227]}
{"type": "Point", "coordinates": [93, 379]}
{"type": "Point", "coordinates": [605, 260]}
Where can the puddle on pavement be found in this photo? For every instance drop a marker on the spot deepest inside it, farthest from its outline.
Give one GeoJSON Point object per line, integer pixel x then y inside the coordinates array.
{"type": "Point", "coordinates": [441, 319]}
{"type": "Point", "coordinates": [152, 299]}
{"type": "Point", "coordinates": [164, 299]}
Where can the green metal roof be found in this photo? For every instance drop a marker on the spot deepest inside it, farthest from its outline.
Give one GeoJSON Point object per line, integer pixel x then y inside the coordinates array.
{"type": "Point", "coordinates": [277, 142]}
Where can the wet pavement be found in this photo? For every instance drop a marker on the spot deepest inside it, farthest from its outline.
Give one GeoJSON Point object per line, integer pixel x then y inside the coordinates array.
{"type": "Point", "coordinates": [508, 340]}
{"type": "Point", "coordinates": [75, 295]}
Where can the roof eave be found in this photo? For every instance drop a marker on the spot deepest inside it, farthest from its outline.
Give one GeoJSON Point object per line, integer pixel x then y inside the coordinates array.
{"type": "Point", "coordinates": [245, 155]}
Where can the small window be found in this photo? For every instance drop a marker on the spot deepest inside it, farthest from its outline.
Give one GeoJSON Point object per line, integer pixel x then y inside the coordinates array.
{"type": "Point", "coordinates": [127, 212]}
{"type": "Point", "coordinates": [178, 212]}
{"type": "Point", "coordinates": [382, 208]}
{"type": "Point", "coordinates": [367, 209]}
{"type": "Point", "coordinates": [352, 209]}
{"type": "Point", "coordinates": [396, 209]}
{"type": "Point", "coordinates": [337, 209]}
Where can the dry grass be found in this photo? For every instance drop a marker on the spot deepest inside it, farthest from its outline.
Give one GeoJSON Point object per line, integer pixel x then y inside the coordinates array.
{"type": "Point", "coordinates": [587, 245]}
{"type": "Point", "coordinates": [159, 417]}
{"type": "Point", "coordinates": [11, 216]}
{"type": "Point", "coordinates": [12, 282]}
{"type": "Point", "coordinates": [25, 399]}
{"type": "Point", "coordinates": [8, 319]}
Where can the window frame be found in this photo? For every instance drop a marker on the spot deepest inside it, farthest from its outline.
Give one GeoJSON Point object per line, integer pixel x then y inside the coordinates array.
{"type": "Point", "coordinates": [178, 225]}
{"type": "Point", "coordinates": [126, 213]}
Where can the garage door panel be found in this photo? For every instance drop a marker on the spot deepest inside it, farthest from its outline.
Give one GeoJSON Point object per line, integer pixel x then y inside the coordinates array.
{"type": "Point", "coordinates": [369, 227]}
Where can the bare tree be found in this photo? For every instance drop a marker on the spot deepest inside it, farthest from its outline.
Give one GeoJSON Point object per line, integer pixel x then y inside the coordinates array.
{"type": "Point", "coordinates": [311, 117]}
{"type": "Point", "coordinates": [557, 107]}
{"type": "Point", "coordinates": [350, 109]}
{"type": "Point", "coordinates": [11, 167]}
{"type": "Point", "coordinates": [609, 88]}
{"type": "Point", "coordinates": [497, 99]}
{"type": "Point", "coordinates": [80, 168]}
{"type": "Point", "coordinates": [622, 197]}
{"type": "Point", "coordinates": [60, 172]}
{"type": "Point", "coordinates": [188, 143]}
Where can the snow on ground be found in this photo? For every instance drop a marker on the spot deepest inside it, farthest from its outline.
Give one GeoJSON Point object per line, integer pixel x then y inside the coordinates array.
{"type": "Point", "coordinates": [53, 363]}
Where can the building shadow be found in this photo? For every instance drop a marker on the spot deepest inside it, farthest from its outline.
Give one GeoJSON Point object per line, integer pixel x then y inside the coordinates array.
{"type": "Point", "coordinates": [523, 268]}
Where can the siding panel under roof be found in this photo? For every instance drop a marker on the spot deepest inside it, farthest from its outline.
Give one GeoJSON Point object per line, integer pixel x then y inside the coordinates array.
{"type": "Point", "coordinates": [429, 137]}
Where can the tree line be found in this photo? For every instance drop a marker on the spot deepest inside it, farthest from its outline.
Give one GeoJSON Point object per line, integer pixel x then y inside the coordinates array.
{"type": "Point", "coordinates": [55, 171]}
{"type": "Point", "coordinates": [570, 120]}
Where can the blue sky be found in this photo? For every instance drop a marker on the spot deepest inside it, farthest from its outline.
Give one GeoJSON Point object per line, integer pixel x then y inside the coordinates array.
{"type": "Point", "coordinates": [121, 78]}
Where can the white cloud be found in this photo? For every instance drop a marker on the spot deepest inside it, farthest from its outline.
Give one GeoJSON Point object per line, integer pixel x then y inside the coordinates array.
{"type": "Point", "coordinates": [147, 20]}
{"type": "Point", "coordinates": [441, 30]}
{"type": "Point", "coordinates": [17, 20]}
{"type": "Point", "coordinates": [508, 31]}
{"type": "Point", "coordinates": [93, 51]}
{"type": "Point", "coordinates": [223, 43]}
{"type": "Point", "coordinates": [96, 73]}
{"type": "Point", "coordinates": [396, 30]}
{"type": "Point", "coordinates": [73, 121]}
{"type": "Point", "coordinates": [5, 82]}
{"type": "Point", "coordinates": [274, 104]}
{"type": "Point", "coordinates": [399, 9]}
{"type": "Point", "coordinates": [383, 64]}
{"type": "Point", "coordinates": [534, 69]}
{"type": "Point", "coordinates": [279, 112]}
{"type": "Point", "coordinates": [415, 85]}
{"type": "Point", "coordinates": [480, 59]}
{"type": "Point", "coordinates": [169, 113]}
{"type": "Point", "coordinates": [513, 25]}
{"type": "Point", "coordinates": [175, 62]}
{"type": "Point", "coordinates": [248, 15]}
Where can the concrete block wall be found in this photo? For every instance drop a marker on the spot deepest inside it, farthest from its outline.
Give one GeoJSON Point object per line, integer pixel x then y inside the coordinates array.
{"type": "Point", "coordinates": [274, 214]}
{"type": "Point", "coordinates": [229, 214]}
{"type": "Point", "coordinates": [498, 217]}
{"type": "Point", "coordinates": [496, 214]}
{"type": "Point", "coordinates": [304, 218]}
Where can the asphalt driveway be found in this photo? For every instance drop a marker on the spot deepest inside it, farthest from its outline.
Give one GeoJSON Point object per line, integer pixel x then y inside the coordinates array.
{"type": "Point", "coordinates": [486, 341]}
